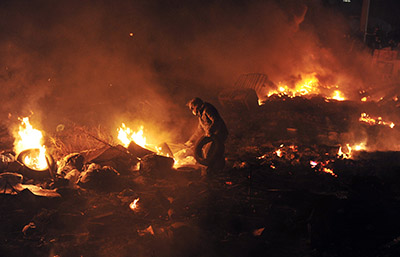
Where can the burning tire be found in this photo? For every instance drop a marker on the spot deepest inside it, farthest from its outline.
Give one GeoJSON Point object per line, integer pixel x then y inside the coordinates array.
{"type": "Point", "coordinates": [32, 171]}
{"type": "Point", "coordinates": [206, 150]}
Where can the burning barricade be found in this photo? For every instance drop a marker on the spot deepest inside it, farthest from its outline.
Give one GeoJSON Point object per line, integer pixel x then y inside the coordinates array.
{"type": "Point", "coordinates": [290, 151]}
{"type": "Point", "coordinates": [132, 156]}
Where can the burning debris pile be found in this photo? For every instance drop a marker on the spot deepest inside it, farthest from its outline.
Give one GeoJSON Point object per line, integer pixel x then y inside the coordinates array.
{"type": "Point", "coordinates": [303, 175]}
{"type": "Point", "coordinates": [311, 161]}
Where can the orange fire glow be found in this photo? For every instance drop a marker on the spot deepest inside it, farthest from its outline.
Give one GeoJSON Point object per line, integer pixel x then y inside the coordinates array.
{"type": "Point", "coordinates": [30, 138]}
{"type": "Point", "coordinates": [337, 95]}
{"type": "Point", "coordinates": [134, 205]}
{"type": "Point", "coordinates": [127, 135]}
{"type": "Point", "coordinates": [329, 171]}
{"type": "Point", "coordinates": [377, 121]}
{"type": "Point", "coordinates": [308, 85]}
{"type": "Point", "coordinates": [346, 151]}
{"type": "Point", "coordinates": [278, 153]}
{"type": "Point", "coordinates": [188, 160]}
{"type": "Point", "coordinates": [321, 166]}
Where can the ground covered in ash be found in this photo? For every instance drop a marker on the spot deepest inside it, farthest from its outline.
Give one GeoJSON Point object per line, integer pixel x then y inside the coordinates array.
{"type": "Point", "coordinates": [284, 192]}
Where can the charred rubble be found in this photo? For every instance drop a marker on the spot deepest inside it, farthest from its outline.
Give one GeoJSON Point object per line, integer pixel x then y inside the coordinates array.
{"type": "Point", "coordinates": [274, 197]}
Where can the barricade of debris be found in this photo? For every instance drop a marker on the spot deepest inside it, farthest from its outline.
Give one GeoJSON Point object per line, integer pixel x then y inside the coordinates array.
{"type": "Point", "coordinates": [291, 187]}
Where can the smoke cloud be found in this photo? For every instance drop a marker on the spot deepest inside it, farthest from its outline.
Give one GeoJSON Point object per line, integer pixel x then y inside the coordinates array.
{"type": "Point", "coordinates": [130, 61]}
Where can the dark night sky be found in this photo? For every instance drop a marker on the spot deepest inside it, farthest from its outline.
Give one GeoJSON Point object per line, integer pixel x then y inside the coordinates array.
{"type": "Point", "coordinates": [387, 10]}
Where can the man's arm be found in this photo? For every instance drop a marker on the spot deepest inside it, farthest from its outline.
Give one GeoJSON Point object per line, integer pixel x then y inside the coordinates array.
{"type": "Point", "coordinates": [196, 135]}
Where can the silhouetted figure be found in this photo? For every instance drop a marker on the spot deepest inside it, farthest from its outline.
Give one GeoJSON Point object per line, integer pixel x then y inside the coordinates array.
{"type": "Point", "coordinates": [211, 125]}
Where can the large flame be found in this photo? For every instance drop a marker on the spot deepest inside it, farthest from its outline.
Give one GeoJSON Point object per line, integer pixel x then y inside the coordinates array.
{"type": "Point", "coordinates": [127, 135]}
{"type": "Point", "coordinates": [30, 138]}
{"type": "Point", "coordinates": [308, 85]}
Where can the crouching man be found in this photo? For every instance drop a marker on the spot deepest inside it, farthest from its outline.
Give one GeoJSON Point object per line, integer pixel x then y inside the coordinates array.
{"type": "Point", "coordinates": [212, 129]}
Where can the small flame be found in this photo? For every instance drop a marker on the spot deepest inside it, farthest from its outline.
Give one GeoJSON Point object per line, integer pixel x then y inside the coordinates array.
{"type": "Point", "coordinates": [134, 205]}
{"type": "Point", "coordinates": [377, 121]}
{"type": "Point", "coordinates": [346, 152]}
{"type": "Point", "coordinates": [337, 95]}
{"type": "Point", "coordinates": [313, 164]}
{"type": "Point", "coordinates": [30, 138]}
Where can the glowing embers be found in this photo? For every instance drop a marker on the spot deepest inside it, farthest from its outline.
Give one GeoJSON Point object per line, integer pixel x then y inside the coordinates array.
{"type": "Point", "coordinates": [30, 138]}
{"type": "Point", "coordinates": [375, 121]}
{"type": "Point", "coordinates": [286, 150]}
{"type": "Point", "coordinates": [288, 157]}
{"type": "Point", "coordinates": [322, 167]}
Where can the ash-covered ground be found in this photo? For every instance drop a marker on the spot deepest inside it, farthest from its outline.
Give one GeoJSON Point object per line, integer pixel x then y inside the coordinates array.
{"type": "Point", "coordinates": [285, 191]}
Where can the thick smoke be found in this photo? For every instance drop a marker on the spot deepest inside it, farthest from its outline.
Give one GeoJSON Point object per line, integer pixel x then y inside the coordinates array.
{"type": "Point", "coordinates": [78, 61]}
